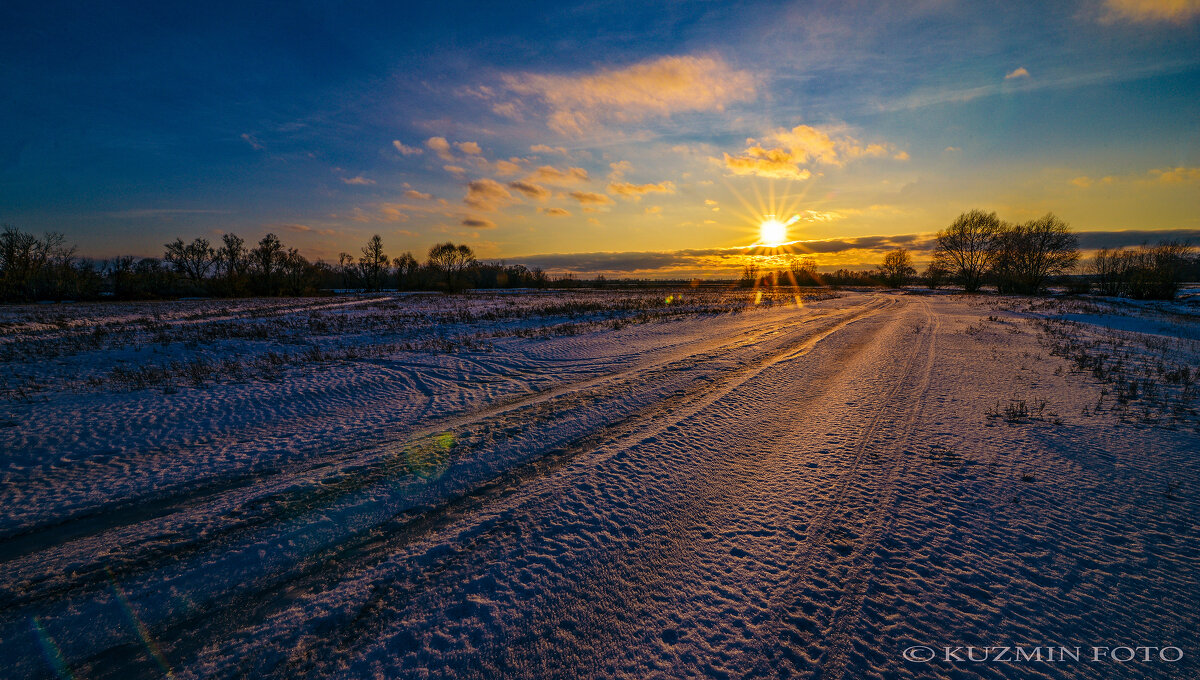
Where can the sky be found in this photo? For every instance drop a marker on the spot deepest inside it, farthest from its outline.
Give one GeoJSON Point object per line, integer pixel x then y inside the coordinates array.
{"type": "Point", "coordinates": [631, 139]}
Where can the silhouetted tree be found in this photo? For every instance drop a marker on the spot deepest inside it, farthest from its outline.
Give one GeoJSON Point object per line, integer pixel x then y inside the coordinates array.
{"type": "Point", "coordinates": [451, 262]}
{"type": "Point", "coordinates": [374, 263]}
{"type": "Point", "coordinates": [266, 260]}
{"type": "Point", "coordinates": [193, 260]}
{"type": "Point", "coordinates": [750, 276]}
{"type": "Point", "coordinates": [969, 244]}
{"type": "Point", "coordinates": [897, 268]}
{"type": "Point", "coordinates": [1025, 256]}
{"type": "Point", "coordinates": [938, 270]}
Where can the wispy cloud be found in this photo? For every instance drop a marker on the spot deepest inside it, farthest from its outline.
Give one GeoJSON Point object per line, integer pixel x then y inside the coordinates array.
{"type": "Point", "coordinates": [534, 191]}
{"type": "Point", "coordinates": [359, 180]}
{"type": "Point", "coordinates": [591, 198]}
{"type": "Point", "coordinates": [551, 175]}
{"type": "Point", "coordinates": [952, 95]}
{"type": "Point", "coordinates": [406, 150]}
{"type": "Point", "coordinates": [1150, 11]}
{"type": "Point", "coordinates": [636, 191]}
{"type": "Point", "coordinates": [1020, 72]}
{"type": "Point", "coordinates": [487, 195]}
{"type": "Point", "coordinates": [784, 152]}
{"type": "Point", "coordinates": [252, 141]}
{"type": "Point", "coordinates": [658, 87]}
{"type": "Point", "coordinates": [478, 223]}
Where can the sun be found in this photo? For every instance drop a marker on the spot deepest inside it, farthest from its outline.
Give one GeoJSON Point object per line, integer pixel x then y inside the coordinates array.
{"type": "Point", "coordinates": [771, 231]}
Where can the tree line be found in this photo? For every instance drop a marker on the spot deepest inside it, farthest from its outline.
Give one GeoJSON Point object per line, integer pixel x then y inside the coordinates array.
{"type": "Point", "coordinates": [46, 268]}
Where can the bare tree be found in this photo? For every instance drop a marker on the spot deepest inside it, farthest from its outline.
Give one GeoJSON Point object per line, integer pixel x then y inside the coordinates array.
{"type": "Point", "coordinates": [452, 261]}
{"type": "Point", "coordinates": [374, 263]}
{"type": "Point", "coordinates": [406, 270]}
{"type": "Point", "coordinates": [1025, 256]}
{"type": "Point", "coordinates": [939, 269]}
{"type": "Point", "coordinates": [897, 268]}
{"type": "Point", "coordinates": [267, 257]}
{"type": "Point", "coordinates": [194, 260]}
{"type": "Point", "coordinates": [969, 245]}
{"type": "Point", "coordinates": [231, 257]}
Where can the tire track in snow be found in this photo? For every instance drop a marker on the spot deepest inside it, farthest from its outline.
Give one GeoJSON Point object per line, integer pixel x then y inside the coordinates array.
{"type": "Point", "coordinates": [849, 606]}
{"type": "Point", "coordinates": [823, 529]}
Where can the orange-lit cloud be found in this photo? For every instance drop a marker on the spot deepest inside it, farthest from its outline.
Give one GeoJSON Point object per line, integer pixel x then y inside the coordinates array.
{"type": "Point", "coordinates": [507, 168]}
{"type": "Point", "coordinates": [658, 87]}
{"type": "Point", "coordinates": [762, 162]}
{"type": "Point", "coordinates": [487, 194]}
{"type": "Point", "coordinates": [406, 150]}
{"type": "Point", "coordinates": [554, 177]}
{"type": "Point", "coordinates": [1017, 73]}
{"type": "Point", "coordinates": [360, 180]}
{"type": "Point", "coordinates": [636, 191]}
{"type": "Point", "coordinates": [534, 191]}
{"type": "Point", "coordinates": [1149, 11]}
{"type": "Point", "coordinates": [555, 212]}
{"type": "Point", "coordinates": [478, 223]}
{"type": "Point", "coordinates": [1178, 175]}
{"type": "Point", "coordinates": [789, 150]}
{"type": "Point", "coordinates": [420, 196]}
{"type": "Point", "coordinates": [440, 146]}
{"type": "Point", "coordinates": [469, 148]}
{"type": "Point", "coordinates": [591, 198]}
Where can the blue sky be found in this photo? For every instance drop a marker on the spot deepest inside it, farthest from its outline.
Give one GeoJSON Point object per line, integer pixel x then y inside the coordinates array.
{"type": "Point", "coordinates": [562, 131]}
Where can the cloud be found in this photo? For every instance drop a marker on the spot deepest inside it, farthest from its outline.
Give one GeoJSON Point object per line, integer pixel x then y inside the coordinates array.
{"type": "Point", "coordinates": [454, 169]}
{"type": "Point", "coordinates": [391, 212]}
{"type": "Point", "coordinates": [1018, 73]}
{"type": "Point", "coordinates": [1090, 240]}
{"type": "Point", "coordinates": [470, 148]}
{"type": "Point", "coordinates": [487, 195]}
{"type": "Point", "coordinates": [1178, 175]}
{"type": "Point", "coordinates": [653, 210]}
{"type": "Point", "coordinates": [507, 109]}
{"type": "Point", "coordinates": [252, 141]}
{"type": "Point", "coordinates": [555, 212]}
{"type": "Point", "coordinates": [803, 145]}
{"type": "Point", "coordinates": [304, 229]}
{"type": "Point", "coordinates": [535, 191]}
{"type": "Point", "coordinates": [509, 167]}
{"type": "Point", "coordinates": [420, 196]}
{"type": "Point", "coordinates": [360, 180]}
{"type": "Point", "coordinates": [766, 163]}
{"type": "Point", "coordinates": [1150, 11]}
{"type": "Point", "coordinates": [441, 147]}
{"type": "Point", "coordinates": [551, 175]}
{"type": "Point", "coordinates": [542, 148]}
{"type": "Point", "coordinates": [636, 191]}
{"type": "Point", "coordinates": [406, 150]}
{"type": "Point", "coordinates": [478, 223]}
{"type": "Point", "coordinates": [590, 198]}
{"type": "Point", "coordinates": [657, 87]}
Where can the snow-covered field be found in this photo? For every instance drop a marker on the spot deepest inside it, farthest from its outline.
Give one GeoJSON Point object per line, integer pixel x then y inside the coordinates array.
{"type": "Point", "coordinates": [652, 484]}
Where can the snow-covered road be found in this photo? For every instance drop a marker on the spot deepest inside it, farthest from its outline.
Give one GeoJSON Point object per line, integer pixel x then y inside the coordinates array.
{"type": "Point", "coordinates": [806, 491]}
